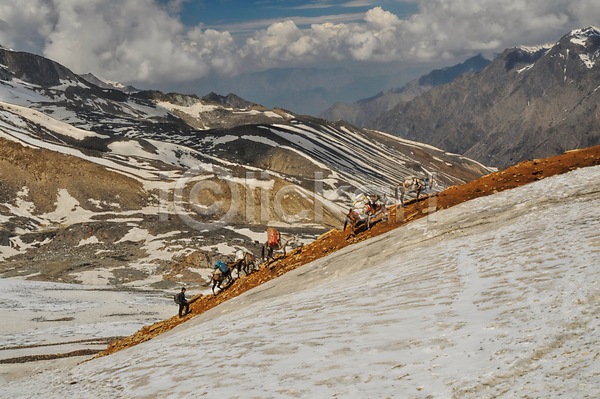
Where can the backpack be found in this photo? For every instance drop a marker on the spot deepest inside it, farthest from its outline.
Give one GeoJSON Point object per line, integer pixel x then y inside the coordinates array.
{"type": "Point", "coordinates": [221, 266]}
{"type": "Point", "coordinates": [272, 237]}
{"type": "Point", "coordinates": [176, 298]}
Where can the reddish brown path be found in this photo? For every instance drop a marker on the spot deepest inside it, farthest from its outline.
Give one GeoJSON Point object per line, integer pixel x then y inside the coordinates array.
{"type": "Point", "coordinates": [514, 176]}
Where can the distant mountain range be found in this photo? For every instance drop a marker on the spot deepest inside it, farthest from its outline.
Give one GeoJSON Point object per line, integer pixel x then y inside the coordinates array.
{"type": "Point", "coordinates": [304, 91]}
{"type": "Point", "coordinates": [127, 184]}
{"type": "Point", "coordinates": [361, 112]}
{"type": "Point", "coordinates": [528, 103]}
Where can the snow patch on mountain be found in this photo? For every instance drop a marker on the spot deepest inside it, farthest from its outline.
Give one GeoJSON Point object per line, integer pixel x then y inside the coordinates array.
{"type": "Point", "coordinates": [20, 93]}
{"type": "Point", "coordinates": [272, 114]}
{"type": "Point", "coordinates": [66, 83]}
{"type": "Point", "coordinates": [48, 122]}
{"type": "Point", "coordinates": [68, 210]}
{"type": "Point", "coordinates": [17, 246]}
{"type": "Point", "coordinates": [144, 111]}
{"type": "Point", "coordinates": [580, 36]}
{"type": "Point", "coordinates": [89, 240]}
{"type": "Point", "coordinates": [535, 49]}
{"type": "Point", "coordinates": [525, 68]}
{"type": "Point", "coordinates": [586, 60]}
{"type": "Point", "coordinates": [194, 110]}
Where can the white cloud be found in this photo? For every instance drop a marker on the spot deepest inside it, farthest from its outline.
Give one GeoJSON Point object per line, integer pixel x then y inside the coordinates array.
{"type": "Point", "coordinates": [215, 49]}
{"type": "Point", "coordinates": [145, 41]}
{"type": "Point", "coordinates": [441, 29]}
{"type": "Point", "coordinates": [285, 42]}
{"type": "Point", "coordinates": [25, 24]}
{"type": "Point", "coordinates": [176, 6]}
{"type": "Point", "coordinates": [358, 3]}
{"type": "Point", "coordinates": [587, 12]}
{"type": "Point", "coordinates": [255, 25]}
{"type": "Point", "coordinates": [128, 41]}
{"type": "Point", "coordinates": [311, 6]}
{"type": "Point", "coordinates": [133, 40]}
{"type": "Point", "coordinates": [467, 26]}
{"type": "Point", "coordinates": [274, 43]}
{"type": "Point", "coordinates": [379, 20]}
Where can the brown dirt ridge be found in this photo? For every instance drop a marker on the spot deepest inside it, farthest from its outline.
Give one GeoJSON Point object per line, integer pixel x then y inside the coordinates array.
{"type": "Point", "coordinates": [514, 176]}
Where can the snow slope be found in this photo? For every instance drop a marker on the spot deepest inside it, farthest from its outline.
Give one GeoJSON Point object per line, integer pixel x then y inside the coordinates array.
{"type": "Point", "coordinates": [497, 297]}
{"type": "Point", "coordinates": [43, 318]}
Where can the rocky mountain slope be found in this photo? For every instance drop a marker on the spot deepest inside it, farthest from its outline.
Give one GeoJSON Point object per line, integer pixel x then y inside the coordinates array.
{"type": "Point", "coordinates": [528, 103]}
{"type": "Point", "coordinates": [361, 112]}
{"type": "Point", "coordinates": [147, 189]}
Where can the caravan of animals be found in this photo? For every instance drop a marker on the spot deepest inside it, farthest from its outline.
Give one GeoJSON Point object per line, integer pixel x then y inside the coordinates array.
{"type": "Point", "coordinates": [366, 210]}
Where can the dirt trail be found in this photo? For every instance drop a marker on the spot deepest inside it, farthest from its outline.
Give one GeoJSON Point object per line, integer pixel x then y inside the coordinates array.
{"type": "Point", "coordinates": [514, 176]}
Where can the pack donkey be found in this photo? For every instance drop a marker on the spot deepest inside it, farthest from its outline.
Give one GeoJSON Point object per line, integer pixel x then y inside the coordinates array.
{"type": "Point", "coordinates": [276, 242]}
{"type": "Point", "coordinates": [219, 277]}
{"type": "Point", "coordinates": [415, 185]}
{"type": "Point", "coordinates": [363, 211]}
{"type": "Point", "coordinates": [221, 274]}
{"type": "Point", "coordinates": [244, 261]}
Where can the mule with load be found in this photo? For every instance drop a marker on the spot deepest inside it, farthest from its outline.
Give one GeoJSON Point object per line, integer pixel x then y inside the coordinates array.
{"type": "Point", "coordinates": [276, 242]}
{"type": "Point", "coordinates": [414, 185]}
{"type": "Point", "coordinates": [364, 212]}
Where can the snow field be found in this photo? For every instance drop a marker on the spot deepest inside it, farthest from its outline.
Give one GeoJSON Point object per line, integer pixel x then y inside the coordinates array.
{"type": "Point", "coordinates": [51, 318]}
{"type": "Point", "coordinates": [498, 298]}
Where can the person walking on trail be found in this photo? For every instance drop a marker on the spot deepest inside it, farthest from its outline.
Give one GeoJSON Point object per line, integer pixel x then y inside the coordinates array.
{"type": "Point", "coordinates": [183, 303]}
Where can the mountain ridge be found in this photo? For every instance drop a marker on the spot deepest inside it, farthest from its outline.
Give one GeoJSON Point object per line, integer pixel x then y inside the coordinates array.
{"type": "Point", "coordinates": [524, 105]}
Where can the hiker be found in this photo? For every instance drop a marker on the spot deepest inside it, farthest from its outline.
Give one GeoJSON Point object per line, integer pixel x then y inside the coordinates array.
{"type": "Point", "coordinates": [182, 302]}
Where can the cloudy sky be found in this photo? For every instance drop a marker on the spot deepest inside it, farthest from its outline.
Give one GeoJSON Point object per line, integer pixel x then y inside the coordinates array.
{"type": "Point", "coordinates": [147, 42]}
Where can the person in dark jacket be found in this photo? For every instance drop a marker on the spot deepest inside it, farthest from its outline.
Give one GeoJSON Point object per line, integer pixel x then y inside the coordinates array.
{"type": "Point", "coordinates": [183, 303]}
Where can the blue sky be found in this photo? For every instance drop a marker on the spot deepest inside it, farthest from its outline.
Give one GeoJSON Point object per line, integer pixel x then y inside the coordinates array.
{"type": "Point", "coordinates": [244, 17]}
{"type": "Point", "coordinates": [149, 42]}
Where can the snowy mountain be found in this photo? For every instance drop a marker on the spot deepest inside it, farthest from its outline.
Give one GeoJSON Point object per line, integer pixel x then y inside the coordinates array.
{"type": "Point", "coordinates": [496, 298]}
{"type": "Point", "coordinates": [528, 103]}
{"type": "Point", "coordinates": [146, 189]}
{"type": "Point", "coordinates": [107, 84]}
